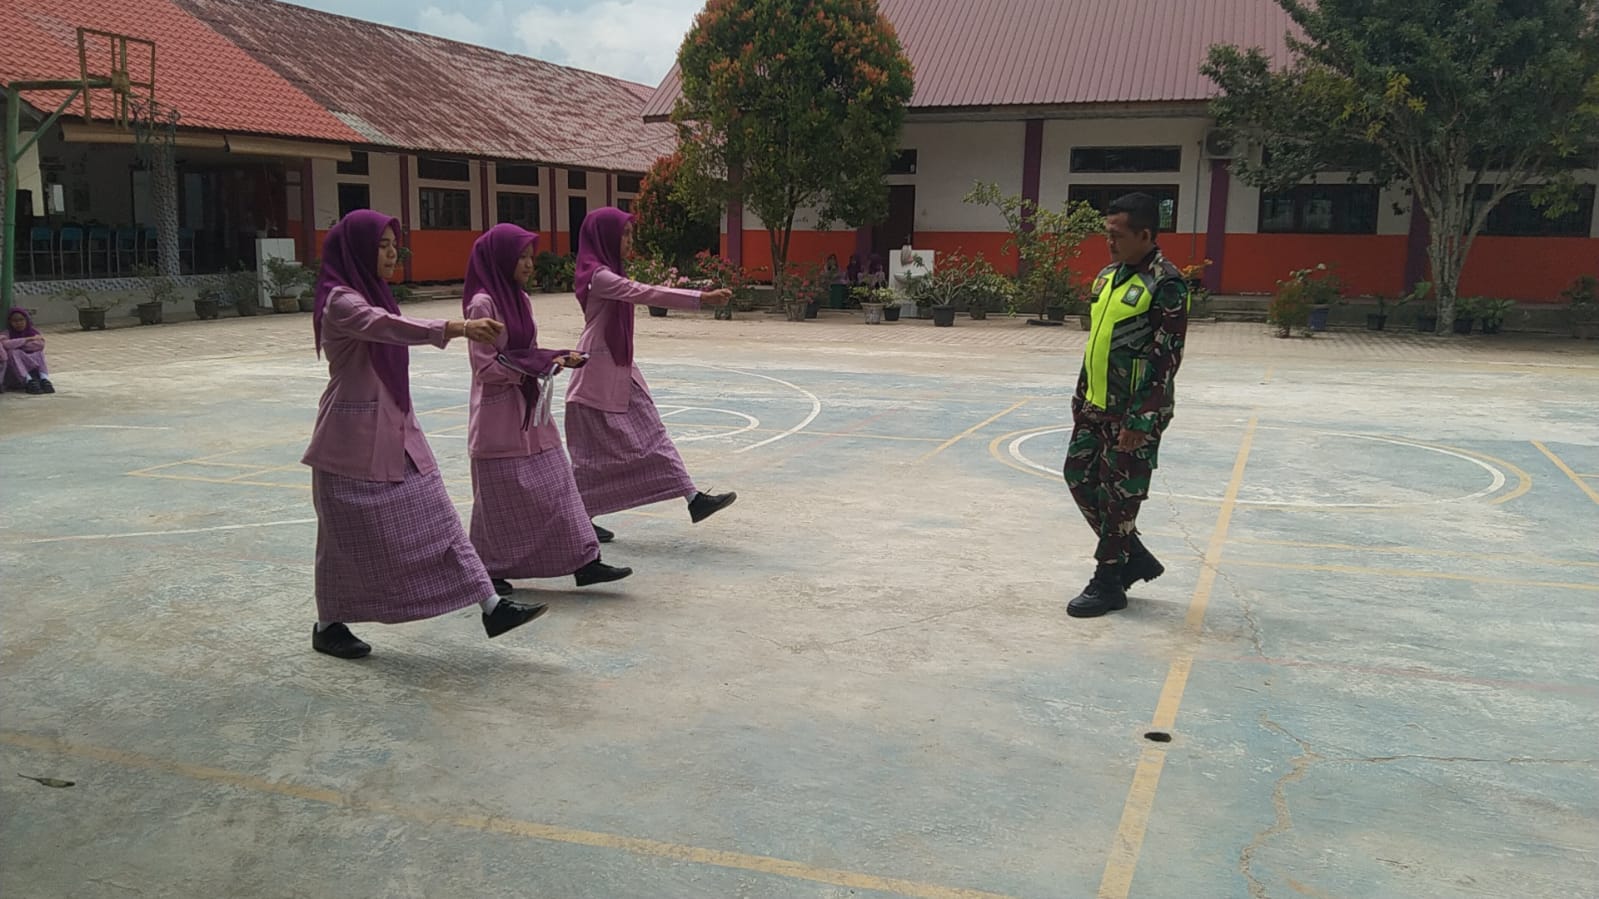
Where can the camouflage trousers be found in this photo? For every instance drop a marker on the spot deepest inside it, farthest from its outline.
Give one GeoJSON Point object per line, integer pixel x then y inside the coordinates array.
{"type": "Point", "coordinates": [1109, 485]}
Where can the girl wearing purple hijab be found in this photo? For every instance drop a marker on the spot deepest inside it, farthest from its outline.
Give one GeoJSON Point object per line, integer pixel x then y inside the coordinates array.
{"type": "Point", "coordinates": [22, 351]}
{"type": "Point", "coordinates": [621, 454]}
{"type": "Point", "coordinates": [389, 544]}
{"type": "Point", "coordinates": [528, 519]}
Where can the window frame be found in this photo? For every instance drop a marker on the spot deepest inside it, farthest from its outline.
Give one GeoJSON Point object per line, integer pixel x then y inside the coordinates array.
{"type": "Point", "coordinates": [1112, 191]}
{"type": "Point", "coordinates": [460, 195]}
{"type": "Point", "coordinates": [1300, 198]}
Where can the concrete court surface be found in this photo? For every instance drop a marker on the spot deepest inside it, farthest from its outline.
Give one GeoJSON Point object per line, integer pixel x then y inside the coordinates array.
{"type": "Point", "coordinates": [1373, 651]}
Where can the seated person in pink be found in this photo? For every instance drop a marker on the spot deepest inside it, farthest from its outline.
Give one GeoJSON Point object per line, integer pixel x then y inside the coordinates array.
{"type": "Point", "coordinates": [22, 352]}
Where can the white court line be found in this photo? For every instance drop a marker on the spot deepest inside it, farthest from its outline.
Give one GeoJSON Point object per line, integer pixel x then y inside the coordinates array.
{"type": "Point", "coordinates": [221, 527]}
{"type": "Point", "coordinates": [1497, 484]}
{"type": "Point", "coordinates": [123, 427]}
{"type": "Point", "coordinates": [753, 424]}
{"type": "Point", "coordinates": [816, 404]}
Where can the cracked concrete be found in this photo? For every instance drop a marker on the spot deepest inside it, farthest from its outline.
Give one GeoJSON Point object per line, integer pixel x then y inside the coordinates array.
{"type": "Point", "coordinates": [859, 680]}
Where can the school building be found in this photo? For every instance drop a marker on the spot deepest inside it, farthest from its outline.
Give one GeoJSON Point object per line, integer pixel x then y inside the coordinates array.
{"type": "Point", "coordinates": [290, 118]}
{"type": "Point", "coordinates": [1075, 101]}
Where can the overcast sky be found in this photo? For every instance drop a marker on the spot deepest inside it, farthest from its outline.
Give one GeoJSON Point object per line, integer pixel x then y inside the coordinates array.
{"type": "Point", "coordinates": [632, 39]}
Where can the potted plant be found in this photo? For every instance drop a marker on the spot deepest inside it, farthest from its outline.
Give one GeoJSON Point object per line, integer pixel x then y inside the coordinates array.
{"type": "Point", "coordinates": [988, 291]}
{"type": "Point", "coordinates": [208, 304]}
{"type": "Point", "coordinates": [1198, 294]}
{"type": "Point", "coordinates": [1320, 289]}
{"type": "Point", "coordinates": [1465, 314]}
{"type": "Point", "coordinates": [1584, 309]}
{"type": "Point", "coordinates": [1288, 308]}
{"type": "Point", "coordinates": [653, 270]}
{"type": "Point", "coordinates": [243, 287]}
{"type": "Point", "coordinates": [159, 290]}
{"type": "Point", "coordinates": [1379, 320]}
{"type": "Point", "coordinates": [283, 280]}
{"type": "Point", "coordinates": [308, 276]}
{"type": "Point", "coordinates": [91, 309]}
{"type": "Point", "coordinates": [871, 307]}
{"type": "Point", "coordinates": [402, 293]}
{"type": "Point", "coordinates": [1492, 314]}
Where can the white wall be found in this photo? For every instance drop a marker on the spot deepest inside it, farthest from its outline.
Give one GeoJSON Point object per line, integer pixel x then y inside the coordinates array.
{"type": "Point", "coordinates": [1192, 179]}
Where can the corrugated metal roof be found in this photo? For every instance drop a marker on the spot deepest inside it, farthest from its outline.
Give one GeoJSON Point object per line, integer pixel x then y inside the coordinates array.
{"type": "Point", "coordinates": [419, 92]}
{"type": "Point", "coordinates": [213, 84]}
{"type": "Point", "coordinates": [976, 53]}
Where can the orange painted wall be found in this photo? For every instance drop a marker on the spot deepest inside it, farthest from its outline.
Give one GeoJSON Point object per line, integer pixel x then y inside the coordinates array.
{"type": "Point", "coordinates": [1369, 264]}
{"type": "Point", "coordinates": [1528, 268]}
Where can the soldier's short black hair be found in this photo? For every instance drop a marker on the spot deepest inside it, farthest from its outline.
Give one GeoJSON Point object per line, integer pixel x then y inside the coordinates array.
{"type": "Point", "coordinates": [1143, 212]}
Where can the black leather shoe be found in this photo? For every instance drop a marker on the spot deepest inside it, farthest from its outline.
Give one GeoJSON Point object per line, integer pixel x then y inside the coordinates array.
{"type": "Point", "coordinates": [1104, 593]}
{"type": "Point", "coordinates": [502, 587]}
{"type": "Point", "coordinates": [1141, 566]}
{"type": "Point", "coordinates": [45, 386]}
{"type": "Point", "coordinates": [704, 505]}
{"type": "Point", "coordinates": [603, 535]}
{"type": "Point", "coordinates": [337, 641]}
{"type": "Point", "coordinates": [510, 615]}
{"type": "Point", "coordinates": [597, 572]}
{"type": "Point", "coordinates": [33, 387]}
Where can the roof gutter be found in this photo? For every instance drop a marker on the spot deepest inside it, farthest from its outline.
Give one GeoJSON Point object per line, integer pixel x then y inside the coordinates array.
{"type": "Point", "coordinates": [1017, 113]}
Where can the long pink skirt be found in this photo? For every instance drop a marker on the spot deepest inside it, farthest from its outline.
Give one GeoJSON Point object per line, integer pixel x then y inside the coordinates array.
{"type": "Point", "coordinates": [392, 552]}
{"type": "Point", "coordinates": [528, 518]}
{"type": "Point", "coordinates": [623, 460]}
{"type": "Point", "coordinates": [21, 364]}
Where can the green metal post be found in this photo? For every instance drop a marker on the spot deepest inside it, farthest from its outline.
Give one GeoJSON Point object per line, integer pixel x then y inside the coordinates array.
{"type": "Point", "coordinates": [8, 266]}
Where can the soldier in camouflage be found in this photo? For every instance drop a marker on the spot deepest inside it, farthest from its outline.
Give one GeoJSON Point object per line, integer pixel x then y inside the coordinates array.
{"type": "Point", "coordinates": [1124, 399]}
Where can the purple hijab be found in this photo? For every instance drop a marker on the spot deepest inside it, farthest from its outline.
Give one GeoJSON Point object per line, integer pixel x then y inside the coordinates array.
{"type": "Point", "coordinates": [28, 330]}
{"type": "Point", "coordinates": [492, 270]}
{"type": "Point", "coordinates": [599, 245]}
{"type": "Point", "coordinates": [350, 260]}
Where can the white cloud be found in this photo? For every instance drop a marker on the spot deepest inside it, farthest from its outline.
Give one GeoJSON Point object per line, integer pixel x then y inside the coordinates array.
{"type": "Point", "coordinates": [483, 28]}
{"type": "Point", "coordinates": [632, 39]}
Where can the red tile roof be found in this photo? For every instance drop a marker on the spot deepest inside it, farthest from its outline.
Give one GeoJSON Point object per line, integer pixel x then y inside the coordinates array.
{"type": "Point", "coordinates": [978, 53]}
{"type": "Point", "coordinates": [213, 84]}
{"type": "Point", "coordinates": [418, 92]}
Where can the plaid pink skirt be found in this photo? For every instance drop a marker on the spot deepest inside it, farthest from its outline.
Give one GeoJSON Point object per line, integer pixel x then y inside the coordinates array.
{"type": "Point", "coordinates": [623, 460]}
{"type": "Point", "coordinates": [392, 552]}
{"type": "Point", "coordinates": [528, 519]}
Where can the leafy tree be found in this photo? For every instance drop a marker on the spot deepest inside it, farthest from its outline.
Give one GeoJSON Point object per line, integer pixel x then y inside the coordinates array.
{"type": "Point", "coordinates": [1046, 242]}
{"type": "Point", "coordinates": [668, 223]}
{"type": "Point", "coordinates": [1465, 101]}
{"type": "Point", "coordinates": [789, 105]}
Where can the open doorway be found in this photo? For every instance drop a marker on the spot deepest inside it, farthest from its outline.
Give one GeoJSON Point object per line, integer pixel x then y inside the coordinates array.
{"type": "Point", "coordinates": [899, 228]}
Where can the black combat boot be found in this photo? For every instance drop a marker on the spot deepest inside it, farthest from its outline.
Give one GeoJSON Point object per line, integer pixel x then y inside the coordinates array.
{"type": "Point", "coordinates": [1104, 593]}
{"type": "Point", "coordinates": [1141, 565]}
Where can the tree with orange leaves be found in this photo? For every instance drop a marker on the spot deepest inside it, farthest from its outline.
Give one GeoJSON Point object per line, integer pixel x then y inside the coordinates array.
{"type": "Point", "coordinates": [791, 105]}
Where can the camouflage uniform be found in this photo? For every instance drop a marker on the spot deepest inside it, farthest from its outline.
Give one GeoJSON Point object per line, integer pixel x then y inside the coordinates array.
{"type": "Point", "coordinates": [1109, 485]}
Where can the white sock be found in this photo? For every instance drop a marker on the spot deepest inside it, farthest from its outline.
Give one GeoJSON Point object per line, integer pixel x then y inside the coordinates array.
{"type": "Point", "coordinates": [324, 625]}
{"type": "Point", "coordinates": [489, 605]}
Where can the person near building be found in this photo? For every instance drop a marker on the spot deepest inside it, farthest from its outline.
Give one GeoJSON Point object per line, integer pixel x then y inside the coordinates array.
{"type": "Point", "coordinates": [22, 352]}
{"type": "Point", "coordinates": [390, 546]}
{"type": "Point", "coordinates": [1124, 399]}
{"type": "Point", "coordinates": [621, 454]}
{"type": "Point", "coordinates": [528, 519]}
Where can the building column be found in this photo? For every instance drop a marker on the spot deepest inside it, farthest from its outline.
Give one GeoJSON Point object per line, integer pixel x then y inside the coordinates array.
{"type": "Point", "coordinates": [1032, 166]}
{"type": "Point", "coordinates": [483, 194]}
{"type": "Point", "coordinates": [162, 157]}
{"type": "Point", "coordinates": [555, 220]}
{"type": "Point", "coordinates": [1416, 262]}
{"type": "Point", "coordinates": [1221, 188]}
{"type": "Point", "coordinates": [405, 209]}
{"type": "Point", "coordinates": [308, 211]}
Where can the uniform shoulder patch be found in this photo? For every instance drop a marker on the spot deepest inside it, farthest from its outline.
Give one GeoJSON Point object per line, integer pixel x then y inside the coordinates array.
{"type": "Point", "coordinates": [1099, 285]}
{"type": "Point", "coordinates": [1133, 295]}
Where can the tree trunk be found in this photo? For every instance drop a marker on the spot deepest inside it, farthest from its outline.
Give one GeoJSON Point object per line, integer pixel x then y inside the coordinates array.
{"type": "Point", "coordinates": [1447, 247]}
{"type": "Point", "coordinates": [164, 193]}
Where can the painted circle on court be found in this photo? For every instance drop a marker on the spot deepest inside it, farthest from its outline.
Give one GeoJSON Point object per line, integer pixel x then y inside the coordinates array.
{"type": "Point", "coordinates": [669, 411]}
{"type": "Point", "coordinates": [1016, 450]}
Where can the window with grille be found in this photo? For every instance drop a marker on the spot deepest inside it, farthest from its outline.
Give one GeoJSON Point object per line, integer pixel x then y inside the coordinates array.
{"type": "Point", "coordinates": [1100, 196]}
{"type": "Point", "coordinates": [433, 168]}
{"type": "Point", "coordinates": [1126, 159]}
{"type": "Point", "coordinates": [1320, 209]}
{"type": "Point", "coordinates": [446, 210]}
{"type": "Point", "coordinates": [519, 209]}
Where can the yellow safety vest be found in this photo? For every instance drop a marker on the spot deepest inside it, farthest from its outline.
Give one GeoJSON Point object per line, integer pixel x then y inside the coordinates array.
{"type": "Point", "coordinates": [1119, 319]}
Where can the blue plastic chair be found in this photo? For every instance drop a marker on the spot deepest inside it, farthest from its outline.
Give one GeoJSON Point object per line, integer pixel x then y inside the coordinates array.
{"type": "Point", "coordinates": [71, 246]}
{"type": "Point", "coordinates": [100, 249]}
{"type": "Point", "coordinates": [41, 241]}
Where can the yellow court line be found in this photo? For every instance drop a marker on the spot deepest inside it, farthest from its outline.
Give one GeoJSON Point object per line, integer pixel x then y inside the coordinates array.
{"type": "Point", "coordinates": [553, 833]}
{"type": "Point", "coordinates": [201, 480]}
{"type": "Point", "coordinates": [974, 429]}
{"type": "Point", "coordinates": [1401, 551]}
{"type": "Point", "coordinates": [1523, 479]}
{"type": "Point", "coordinates": [1117, 881]}
{"type": "Point", "coordinates": [1575, 478]}
{"type": "Point", "coordinates": [1422, 575]}
{"type": "Point", "coordinates": [1270, 370]}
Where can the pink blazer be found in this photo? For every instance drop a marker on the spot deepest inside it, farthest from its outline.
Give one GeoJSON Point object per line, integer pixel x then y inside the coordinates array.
{"type": "Point", "coordinates": [360, 431]}
{"type": "Point", "coordinates": [494, 428]}
{"type": "Point", "coordinates": [602, 383]}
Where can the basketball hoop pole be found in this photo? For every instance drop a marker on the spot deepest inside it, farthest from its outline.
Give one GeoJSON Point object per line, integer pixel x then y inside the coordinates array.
{"type": "Point", "coordinates": [14, 153]}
